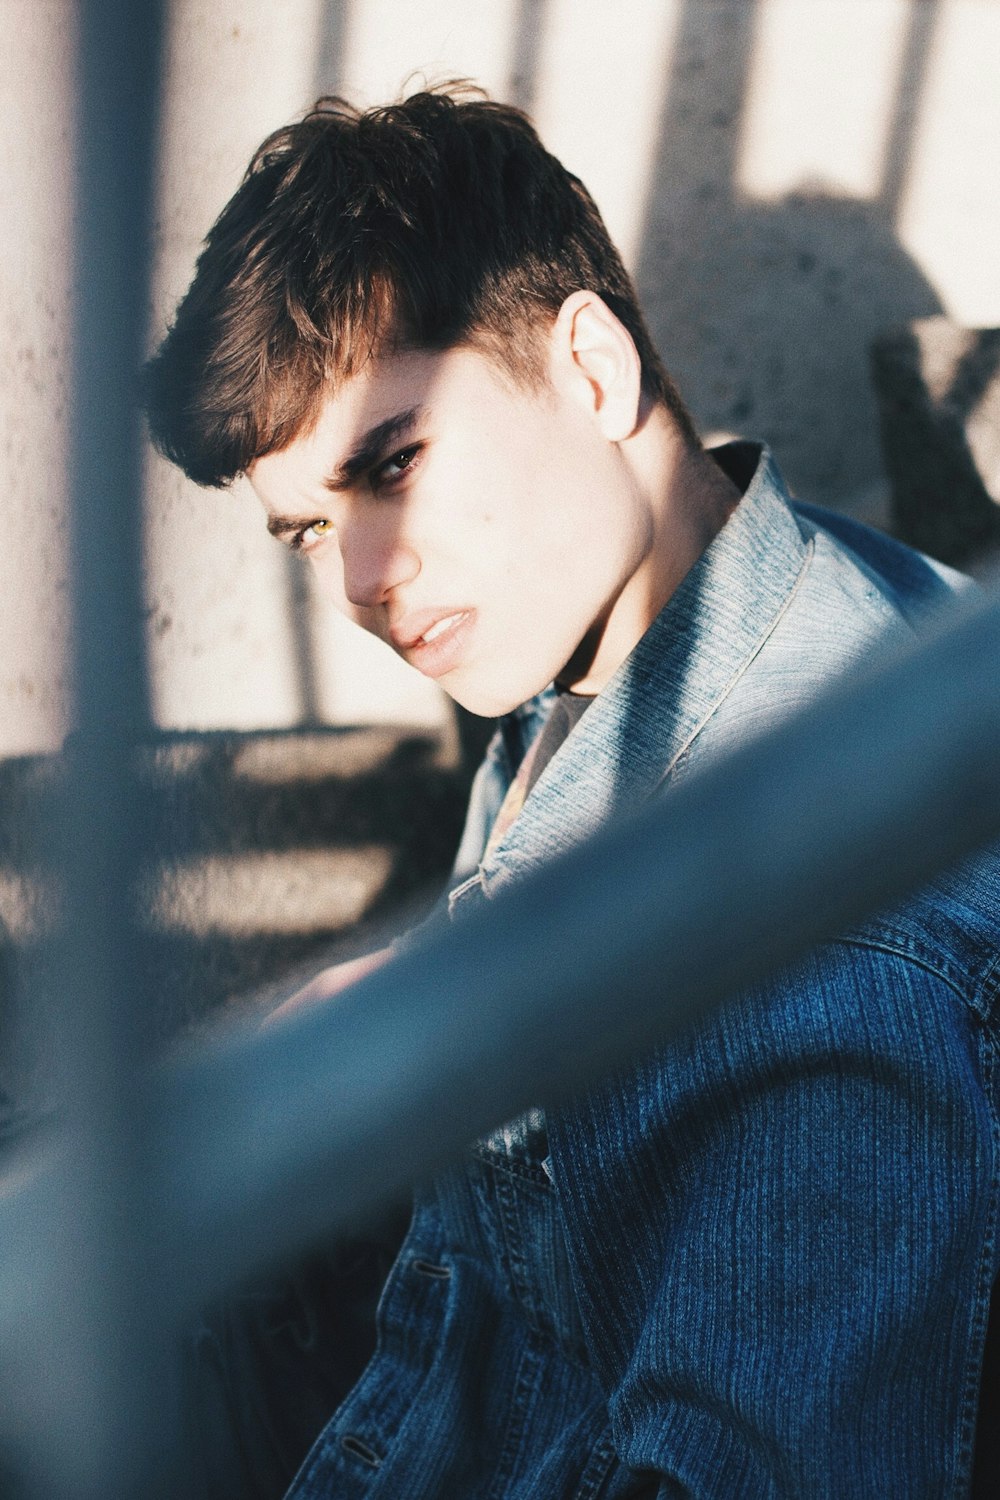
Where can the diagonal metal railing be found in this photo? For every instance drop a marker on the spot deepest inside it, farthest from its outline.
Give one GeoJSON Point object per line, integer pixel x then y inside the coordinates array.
{"type": "Point", "coordinates": [163, 1182]}
{"type": "Point", "coordinates": [272, 1138]}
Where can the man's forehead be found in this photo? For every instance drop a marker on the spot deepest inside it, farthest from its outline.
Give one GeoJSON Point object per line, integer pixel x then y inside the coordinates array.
{"type": "Point", "coordinates": [354, 423]}
{"type": "Point", "coordinates": [404, 379]}
{"type": "Point", "coordinates": [394, 399]}
{"type": "Point", "coordinates": [386, 390]}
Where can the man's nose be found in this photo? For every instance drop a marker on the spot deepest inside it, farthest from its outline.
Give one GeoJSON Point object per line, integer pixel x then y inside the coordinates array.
{"type": "Point", "coordinates": [375, 561]}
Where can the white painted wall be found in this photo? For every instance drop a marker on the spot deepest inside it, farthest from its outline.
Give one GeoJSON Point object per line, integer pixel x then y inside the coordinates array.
{"type": "Point", "coordinates": [35, 147]}
{"type": "Point", "coordinates": [785, 177]}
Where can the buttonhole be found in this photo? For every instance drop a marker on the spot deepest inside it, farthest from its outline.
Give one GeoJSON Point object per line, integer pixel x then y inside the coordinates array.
{"type": "Point", "coordinates": [358, 1449]}
{"type": "Point", "coordinates": [424, 1268]}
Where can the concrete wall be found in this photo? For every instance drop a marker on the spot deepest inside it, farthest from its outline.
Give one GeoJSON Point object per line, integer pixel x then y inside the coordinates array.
{"type": "Point", "coordinates": [786, 177]}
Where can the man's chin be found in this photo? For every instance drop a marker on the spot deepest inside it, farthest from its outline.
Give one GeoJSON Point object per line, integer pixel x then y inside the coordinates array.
{"type": "Point", "coordinates": [482, 707]}
{"type": "Point", "coordinates": [489, 702]}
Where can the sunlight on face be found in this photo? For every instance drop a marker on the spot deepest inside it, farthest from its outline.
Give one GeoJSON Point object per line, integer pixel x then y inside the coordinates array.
{"type": "Point", "coordinates": [484, 531]}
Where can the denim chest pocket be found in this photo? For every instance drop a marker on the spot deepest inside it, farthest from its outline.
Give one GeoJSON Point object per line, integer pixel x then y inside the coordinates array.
{"type": "Point", "coordinates": [521, 1222]}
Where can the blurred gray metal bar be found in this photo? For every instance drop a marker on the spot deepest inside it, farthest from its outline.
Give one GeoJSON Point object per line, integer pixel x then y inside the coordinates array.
{"type": "Point", "coordinates": [89, 1420]}
{"type": "Point", "coordinates": [274, 1139]}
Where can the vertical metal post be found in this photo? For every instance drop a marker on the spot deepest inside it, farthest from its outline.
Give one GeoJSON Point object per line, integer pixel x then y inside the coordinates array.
{"type": "Point", "coordinates": [102, 1431]}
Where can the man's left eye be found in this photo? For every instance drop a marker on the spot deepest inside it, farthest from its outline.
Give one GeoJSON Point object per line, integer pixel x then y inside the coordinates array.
{"type": "Point", "coordinates": [396, 465]}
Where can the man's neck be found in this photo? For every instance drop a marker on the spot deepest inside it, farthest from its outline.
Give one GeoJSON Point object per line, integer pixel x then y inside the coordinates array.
{"type": "Point", "coordinates": [688, 500]}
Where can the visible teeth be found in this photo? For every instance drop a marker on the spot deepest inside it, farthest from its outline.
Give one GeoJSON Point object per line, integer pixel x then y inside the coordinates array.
{"type": "Point", "coordinates": [439, 628]}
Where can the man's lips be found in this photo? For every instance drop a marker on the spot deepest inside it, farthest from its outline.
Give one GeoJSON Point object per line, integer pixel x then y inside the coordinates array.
{"type": "Point", "coordinates": [432, 640]}
{"type": "Point", "coordinates": [415, 629]}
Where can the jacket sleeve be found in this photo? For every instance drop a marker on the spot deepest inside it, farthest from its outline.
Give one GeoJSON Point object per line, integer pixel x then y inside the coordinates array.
{"type": "Point", "coordinates": [781, 1229]}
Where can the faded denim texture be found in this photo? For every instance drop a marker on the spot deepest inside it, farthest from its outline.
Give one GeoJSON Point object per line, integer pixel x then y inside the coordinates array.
{"type": "Point", "coordinates": [757, 1263]}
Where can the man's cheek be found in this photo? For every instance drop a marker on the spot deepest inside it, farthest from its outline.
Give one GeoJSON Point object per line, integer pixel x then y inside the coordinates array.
{"type": "Point", "coordinates": [369, 619]}
{"type": "Point", "coordinates": [328, 571]}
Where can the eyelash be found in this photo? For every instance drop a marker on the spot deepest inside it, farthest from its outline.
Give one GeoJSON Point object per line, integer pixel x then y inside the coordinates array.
{"type": "Point", "coordinates": [409, 456]}
{"type": "Point", "coordinates": [297, 540]}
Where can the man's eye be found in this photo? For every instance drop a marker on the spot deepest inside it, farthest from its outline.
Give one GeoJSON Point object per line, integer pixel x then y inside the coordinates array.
{"type": "Point", "coordinates": [314, 532]}
{"type": "Point", "coordinates": [397, 465]}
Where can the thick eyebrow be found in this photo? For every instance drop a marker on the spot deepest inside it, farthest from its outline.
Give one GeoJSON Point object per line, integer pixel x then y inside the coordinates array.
{"type": "Point", "coordinates": [373, 447]}
{"type": "Point", "coordinates": [281, 526]}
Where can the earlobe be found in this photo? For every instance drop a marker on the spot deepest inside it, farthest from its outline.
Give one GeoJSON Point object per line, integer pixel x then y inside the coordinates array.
{"type": "Point", "coordinates": [599, 358]}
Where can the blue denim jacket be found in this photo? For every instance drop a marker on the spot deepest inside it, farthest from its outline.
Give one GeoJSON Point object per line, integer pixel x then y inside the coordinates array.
{"type": "Point", "coordinates": [757, 1263]}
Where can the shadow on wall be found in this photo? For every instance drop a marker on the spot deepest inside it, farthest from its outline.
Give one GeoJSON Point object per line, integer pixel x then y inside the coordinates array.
{"type": "Point", "coordinates": [765, 311]}
{"type": "Point", "coordinates": [277, 852]}
{"type": "Point", "coordinates": [939, 403]}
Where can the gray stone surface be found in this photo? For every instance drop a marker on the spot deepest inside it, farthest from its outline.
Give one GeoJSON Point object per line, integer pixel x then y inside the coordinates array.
{"type": "Point", "coordinates": [938, 389]}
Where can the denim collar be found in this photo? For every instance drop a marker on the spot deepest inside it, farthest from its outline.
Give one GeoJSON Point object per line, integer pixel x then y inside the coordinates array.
{"type": "Point", "coordinates": [667, 689]}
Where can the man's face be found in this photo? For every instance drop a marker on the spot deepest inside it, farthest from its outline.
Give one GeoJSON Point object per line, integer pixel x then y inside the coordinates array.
{"type": "Point", "coordinates": [485, 531]}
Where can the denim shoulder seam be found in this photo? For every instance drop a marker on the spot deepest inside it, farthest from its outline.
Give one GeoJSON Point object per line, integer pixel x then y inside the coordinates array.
{"type": "Point", "coordinates": [974, 990]}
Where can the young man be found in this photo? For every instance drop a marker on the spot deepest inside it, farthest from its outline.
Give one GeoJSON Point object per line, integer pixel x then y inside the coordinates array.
{"type": "Point", "coordinates": [759, 1262]}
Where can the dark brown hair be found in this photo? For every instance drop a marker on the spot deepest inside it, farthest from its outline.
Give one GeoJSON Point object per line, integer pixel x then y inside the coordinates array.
{"type": "Point", "coordinates": [438, 221]}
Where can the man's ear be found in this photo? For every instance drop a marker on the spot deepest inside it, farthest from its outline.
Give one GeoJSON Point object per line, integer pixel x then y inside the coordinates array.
{"type": "Point", "coordinates": [595, 359]}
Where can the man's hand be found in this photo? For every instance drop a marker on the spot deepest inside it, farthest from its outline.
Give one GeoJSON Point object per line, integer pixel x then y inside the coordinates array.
{"type": "Point", "coordinates": [329, 983]}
